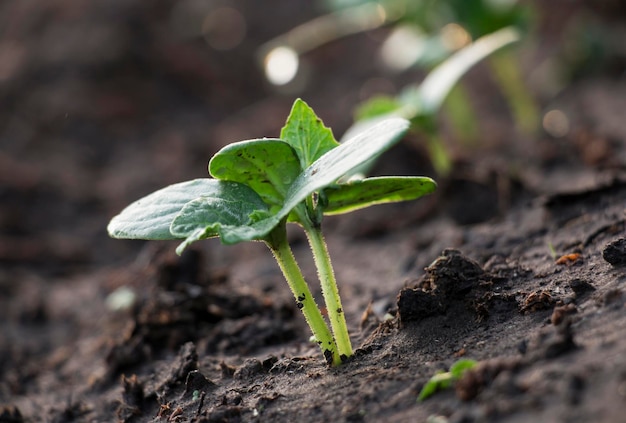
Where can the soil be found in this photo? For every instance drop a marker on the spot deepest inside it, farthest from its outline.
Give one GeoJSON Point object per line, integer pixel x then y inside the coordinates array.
{"type": "Point", "coordinates": [517, 261]}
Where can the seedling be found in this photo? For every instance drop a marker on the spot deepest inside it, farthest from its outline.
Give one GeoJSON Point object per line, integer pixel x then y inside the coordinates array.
{"type": "Point", "coordinates": [421, 103]}
{"type": "Point", "coordinates": [424, 34]}
{"type": "Point", "coordinates": [444, 380]}
{"type": "Point", "coordinates": [260, 185]}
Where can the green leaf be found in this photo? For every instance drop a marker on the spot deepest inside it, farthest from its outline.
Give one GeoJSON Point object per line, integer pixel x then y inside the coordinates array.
{"type": "Point", "coordinates": [377, 106]}
{"type": "Point", "coordinates": [443, 380]}
{"type": "Point", "coordinates": [208, 216]}
{"type": "Point", "coordinates": [437, 382]}
{"type": "Point", "coordinates": [255, 231]}
{"type": "Point", "coordinates": [306, 133]}
{"type": "Point", "coordinates": [150, 217]}
{"type": "Point", "coordinates": [461, 366]}
{"type": "Point", "coordinates": [362, 193]}
{"type": "Point", "coordinates": [268, 166]}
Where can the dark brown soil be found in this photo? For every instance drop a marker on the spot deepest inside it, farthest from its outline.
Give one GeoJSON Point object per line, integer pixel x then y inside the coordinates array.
{"type": "Point", "coordinates": [517, 261]}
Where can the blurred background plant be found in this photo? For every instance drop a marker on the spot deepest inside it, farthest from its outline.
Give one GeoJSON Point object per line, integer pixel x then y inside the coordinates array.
{"type": "Point", "coordinates": [423, 34]}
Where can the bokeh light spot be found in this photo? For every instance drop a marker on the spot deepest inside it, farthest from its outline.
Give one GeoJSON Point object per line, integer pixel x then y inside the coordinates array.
{"type": "Point", "coordinates": [454, 37]}
{"type": "Point", "coordinates": [281, 65]}
{"type": "Point", "coordinates": [403, 48]}
{"type": "Point", "coordinates": [556, 123]}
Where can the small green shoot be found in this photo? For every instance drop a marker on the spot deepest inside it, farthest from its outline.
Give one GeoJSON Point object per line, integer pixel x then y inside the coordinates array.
{"type": "Point", "coordinates": [260, 185]}
{"type": "Point", "coordinates": [444, 380]}
{"type": "Point", "coordinates": [552, 251]}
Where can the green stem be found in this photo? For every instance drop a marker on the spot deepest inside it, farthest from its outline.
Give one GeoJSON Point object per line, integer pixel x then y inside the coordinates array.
{"type": "Point", "coordinates": [329, 290]}
{"type": "Point", "coordinates": [277, 242]}
{"type": "Point", "coordinates": [461, 115]}
{"type": "Point", "coordinates": [439, 157]}
{"type": "Point", "coordinates": [507, 72]}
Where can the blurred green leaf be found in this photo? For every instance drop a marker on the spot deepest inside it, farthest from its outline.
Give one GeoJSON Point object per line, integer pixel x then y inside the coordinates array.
{"type": "Point", "coordinates": [444, 380]}
{"type": "Point", "coordinates": [377, 106]}
{"type": "Point", "coordinates": [363, 193]}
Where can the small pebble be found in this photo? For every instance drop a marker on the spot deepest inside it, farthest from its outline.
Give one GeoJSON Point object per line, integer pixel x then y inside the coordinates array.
{"type": "Point", "coordinates": [615, 252]}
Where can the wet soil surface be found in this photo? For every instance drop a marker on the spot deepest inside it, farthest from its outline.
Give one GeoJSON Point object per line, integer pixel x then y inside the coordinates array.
{"type": "Point", "coordinates": [518, 261]}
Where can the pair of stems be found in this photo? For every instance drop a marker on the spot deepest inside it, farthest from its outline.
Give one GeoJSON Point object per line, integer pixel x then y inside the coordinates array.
{"type": "Point", "coordinates": [335, 345]}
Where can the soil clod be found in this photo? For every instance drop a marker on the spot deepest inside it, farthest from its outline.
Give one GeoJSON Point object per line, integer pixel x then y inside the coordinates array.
{"type": "Point", "coordinates": [10, 414]}
{"type": "Point", "coordinates": [581, 287]}
{"type": "Point", "coordinates": [186, 362]}
{"type": "Point", "coordinates": [535, 301]}
{"type": "Point", "coordinates": [250, 368]}
{"type": "Point", "coordinates": [615, 252]}
{"type": "Point", "coordinates": [196, 381]}
{"type": "Point", "coordinates": [451, 278]}
{"type": "Point", "coordinates": [560, 313]}
{"type": "Point", "coordinates": [553, 343]}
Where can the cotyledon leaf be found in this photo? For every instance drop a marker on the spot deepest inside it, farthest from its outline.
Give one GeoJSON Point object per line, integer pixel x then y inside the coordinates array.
{"type": "Point", "coordinates": [151, 216]}
{"type": "Point", "coordinates": [206, 217]}
{"type": "Point", "coordinates": [362, 193]}
{"type": "Point", "coordinates": [268, 166]}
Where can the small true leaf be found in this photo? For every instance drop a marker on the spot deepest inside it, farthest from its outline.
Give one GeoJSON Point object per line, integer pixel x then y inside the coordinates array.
{"type": "Point", "coordinates": [306, 133]}
{"type": "Point", "coordinates": [268, 166]}
{"type": "Point", "coordinates": [461, 366]}
{"type": "Point", "coordinates": [437, 382]}
{"type": "Point", "coordinates": [362, 193]}
{"type": "Point", "coordinates": [443, 380]}
{"type": "Point", "coordinates": [150, 217]}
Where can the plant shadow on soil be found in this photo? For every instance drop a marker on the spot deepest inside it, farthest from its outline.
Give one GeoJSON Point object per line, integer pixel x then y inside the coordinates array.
{"type": "Point", "coordinates": [213, 336]}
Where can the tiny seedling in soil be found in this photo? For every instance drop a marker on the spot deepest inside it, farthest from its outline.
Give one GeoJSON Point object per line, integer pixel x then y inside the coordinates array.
{"type": "Point", "coordinates": [260, 185]}
{"type": "Point", "coordinates": [444, 380]}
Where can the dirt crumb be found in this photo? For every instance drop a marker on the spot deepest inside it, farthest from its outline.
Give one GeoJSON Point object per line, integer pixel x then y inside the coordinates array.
{"type": "Point", "coordinates": [615, 252]}
{"type": "Point", "coordinates": [562, 312]}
